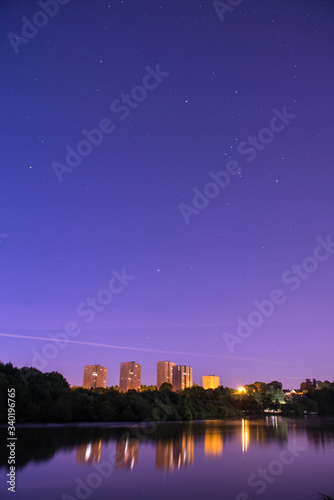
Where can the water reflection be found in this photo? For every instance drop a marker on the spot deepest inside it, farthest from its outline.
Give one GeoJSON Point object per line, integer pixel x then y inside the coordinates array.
{"type": "Point", "coordinates": [90, 452]}
{"type": "Point", "coordinates": [175, 444]}
{"type": "Point", "coordinates": [127, 451]}
{"type": "Point", "coordinates": [213, 442]}
{"type": "Point", "coordinates": [272, 429]}
{"type": "Point", "coordinates": [175, 453]}
{"type": "Point", "coordinates": [244, 435]}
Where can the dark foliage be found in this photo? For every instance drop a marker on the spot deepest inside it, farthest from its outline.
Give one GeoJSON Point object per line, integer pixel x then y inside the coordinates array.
{"type": "Point", "coordinates": [47, 397]}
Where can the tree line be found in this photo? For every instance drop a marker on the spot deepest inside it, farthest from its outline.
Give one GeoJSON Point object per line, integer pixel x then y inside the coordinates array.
{"type": "Point", "coordinates": [47, 397]}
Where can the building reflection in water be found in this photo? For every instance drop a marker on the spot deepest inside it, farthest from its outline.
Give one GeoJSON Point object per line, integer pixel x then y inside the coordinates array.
{"type": "Point", "coordinates": [213, 442]}
{"type": "Point", "coordinates": [89, 453]}
{"type": "Point", "coordinates": [175, 452]}
{"type": "Point", "coordinates": [127, 451]}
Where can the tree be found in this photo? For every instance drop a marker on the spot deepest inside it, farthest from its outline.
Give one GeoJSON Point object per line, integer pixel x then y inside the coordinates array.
{"type": "Point", "coordinates": [166, 387]}
{"type": "Point", "coordinates": [308, 385]}
{"type": "Point", "coordinates": [261, 387]}
{"type": "Point", "coordinates": [100, 390]}
{"type": "Point", "coordinates": [277, 385]}
{"type": "Point", "coordinates": [148, 388]}
{"type": "Point", "coordinates": [325, 384]}
{"type": "Point", "coordinates": [250, 389]}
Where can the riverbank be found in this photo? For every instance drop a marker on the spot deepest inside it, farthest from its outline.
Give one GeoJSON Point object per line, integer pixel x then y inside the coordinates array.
{"type": "Point", "coordinates": [48, 398]}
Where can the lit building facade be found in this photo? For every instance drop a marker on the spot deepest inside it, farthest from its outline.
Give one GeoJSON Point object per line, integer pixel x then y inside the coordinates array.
{"type": "Point", "coordinates": [164, 373]}
{"type": "Point", "coordinates": [182, 377]}
{"type": "Point", "coordinates": [210, 382]}
{"type": "Point", "coordinates": [94, 376]}
{"type": "Point", "coordinates": [130, 377]}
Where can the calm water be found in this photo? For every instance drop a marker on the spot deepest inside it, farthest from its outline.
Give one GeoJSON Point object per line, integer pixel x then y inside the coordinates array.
{"type": "Point", "coordinates": [273, 459]}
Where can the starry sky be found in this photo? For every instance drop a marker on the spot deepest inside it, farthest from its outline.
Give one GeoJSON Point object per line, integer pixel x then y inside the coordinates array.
{"type": "Point", "coordinates": [117, 117]}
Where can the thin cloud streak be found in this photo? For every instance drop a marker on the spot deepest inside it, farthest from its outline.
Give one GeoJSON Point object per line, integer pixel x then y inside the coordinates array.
{"type": "Point", "coordinates": [144, 349]}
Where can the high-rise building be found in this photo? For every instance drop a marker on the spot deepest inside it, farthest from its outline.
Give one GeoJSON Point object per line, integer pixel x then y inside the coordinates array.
{"type": "Point", "coordinates": [164, 373]}
{"type": "Point", "coordinates": [130, 376]}
{"type": "Point", "coordinates": [94, 376]}
{"type": "Point", "coordinates": [182, 377]}
{"type": "Point", "coordinates": [210, 382]}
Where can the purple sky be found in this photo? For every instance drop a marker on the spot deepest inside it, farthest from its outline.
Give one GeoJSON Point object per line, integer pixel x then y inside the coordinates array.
{"type": "Point", "coordinates": [204, 90]}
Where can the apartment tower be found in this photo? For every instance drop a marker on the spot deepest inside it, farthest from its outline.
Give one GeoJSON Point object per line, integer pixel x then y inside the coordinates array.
{"type": "Point", "coordinates": [182, 377]}
{"type": "Point", "coordinates": [130, 377]}
{"type": "Point", "coordinates": [164, 373]}
{"type": "Point", "coordinates": [94, 376]}
{"type": "Point", "coordinates": [210, 382]}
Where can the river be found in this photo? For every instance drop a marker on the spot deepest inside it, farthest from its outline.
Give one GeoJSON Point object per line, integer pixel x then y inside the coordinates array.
{"type": "Point", "coordinates": [273, 458]}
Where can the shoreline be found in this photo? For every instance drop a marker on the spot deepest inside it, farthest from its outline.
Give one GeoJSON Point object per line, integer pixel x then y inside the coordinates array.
{"type": "Point", "coordinates": [147, 423]}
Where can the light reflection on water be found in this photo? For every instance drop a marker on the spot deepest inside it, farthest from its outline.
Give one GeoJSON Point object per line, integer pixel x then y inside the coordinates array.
{"type": "Point", "coordinates": [222, 455]}
{"type": "Point", "coordinates": [178, 451]}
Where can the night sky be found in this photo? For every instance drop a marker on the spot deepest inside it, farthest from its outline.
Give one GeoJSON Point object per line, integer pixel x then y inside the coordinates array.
{"type": "Point", "coordinates": [236, 104]}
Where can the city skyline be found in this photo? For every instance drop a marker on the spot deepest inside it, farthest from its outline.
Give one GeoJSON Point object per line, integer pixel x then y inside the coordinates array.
{"type": "Point", "coordinates": [132, 368]}
{"type": "Point", "coordinates": [198, 379]}
{"type": "Point", "coordinates": [167, 188]}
